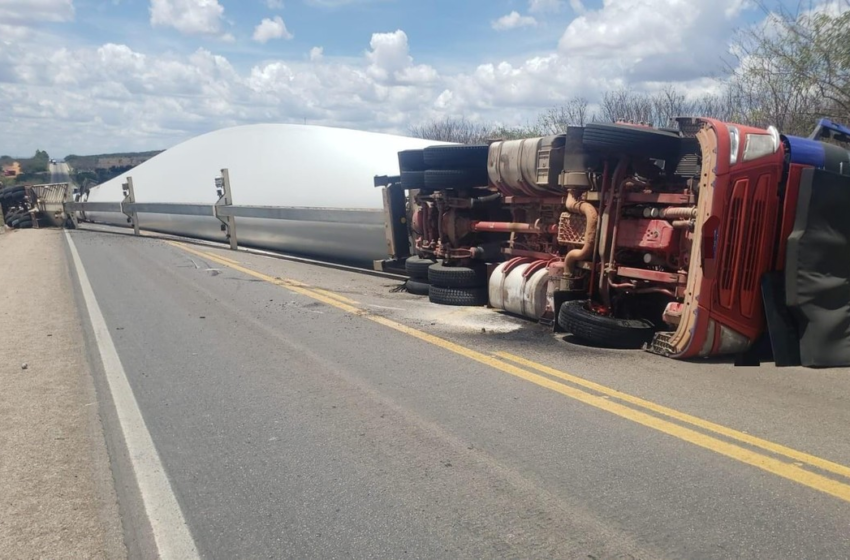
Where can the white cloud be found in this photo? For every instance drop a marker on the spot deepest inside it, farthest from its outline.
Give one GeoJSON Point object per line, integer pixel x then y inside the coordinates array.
{"type": "Point", "coordinates": [512, 21]}
{"type": "Point", "coordinates": [542, 6]}
{"type": "Point", "coordinates": [664, 40]}
{"type": "Point", "coordinates": [578, 6]}
{"type": "Point", "coordinates": [113, 97]}
{"type": "Point", "coordinates": [391, 61]}
{"type": "Point", "coordinates": [34, 11]}
{"type": "Point", "coordinates": [192, 17]}
{"type": "Point", "coordinates": [274, 4]}
{"type": "Point", "coordinates": [269, 29]}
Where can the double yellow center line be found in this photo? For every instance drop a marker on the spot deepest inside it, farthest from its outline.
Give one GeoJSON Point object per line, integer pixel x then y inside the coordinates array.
{"type": "Point", "coordinates": [803, 468]}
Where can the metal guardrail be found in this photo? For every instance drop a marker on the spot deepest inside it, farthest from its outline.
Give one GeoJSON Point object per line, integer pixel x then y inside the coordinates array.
{"type": "Point", "coordinates": [224, 210]}
{"type": "Point", "coordinates": [301, 214]}
{"type": "Point", "coordinates": [179, 209]}
{"type": "Point", "coordinates": [371, 217]}
{"type": "Point", "coordinates": [93, 207]}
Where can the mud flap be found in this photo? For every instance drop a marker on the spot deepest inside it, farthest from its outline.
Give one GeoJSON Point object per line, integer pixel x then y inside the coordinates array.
{"type": "Point", "coordinates": [781, 327]}
{"type": "Point", "coordinates": [817, 273]}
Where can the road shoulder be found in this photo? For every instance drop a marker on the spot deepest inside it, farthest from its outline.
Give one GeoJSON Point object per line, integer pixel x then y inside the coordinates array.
{"type": "Point", "coordinates": [58, 497]}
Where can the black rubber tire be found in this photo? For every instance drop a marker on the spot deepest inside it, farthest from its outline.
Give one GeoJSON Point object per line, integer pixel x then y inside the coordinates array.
{"type": "Point", "coordinates": [575, 317]}
{"type": "Point", "coordinates": [462, 297]}
{"type": "Point", "coordinates": [632, 140]}
{"type": "Point", "coordinates": [417, 287]}
{"type": "Point", "coordinates": [456, 157]}
{"type": "Point", "coordinates": [456, 276]}
{"type": "Point", "coordinates": [411, 160]}
{"type": "Point", "coordinates": [412, 180]}
{"type": "Point", "coordinates": [439, 179]}
{"type": "Point", "coordinates": [417, 267]}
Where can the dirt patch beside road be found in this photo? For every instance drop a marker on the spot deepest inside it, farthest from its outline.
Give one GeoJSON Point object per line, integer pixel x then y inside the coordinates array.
{"type": "Point", "coordinates": [57, 498]}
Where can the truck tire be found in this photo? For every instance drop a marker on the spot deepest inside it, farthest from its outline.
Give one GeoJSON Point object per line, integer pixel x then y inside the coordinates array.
{"type": "Point", "coordinates": [632, 140]}
{"type": "Point", "coordinates": [411, 160]}
{"type": "Point", "coordinates": [462, 297]}
{"type": "Point", "coordinates": [412, 180]}
{"type": "Point", "coordinates": [456, 276]}
{"type": "Point", "coordinates": [439, 179]}
{"type": "Point", "coordinates": [417, 267]}
{"type": "Point", "coordinates": [417, 287]}
{"type": "Point", "coordinates": [577, 318]}
{"type": "Point", "coordinates": [14, 198]}
{"type": "Point", "coordinates": [456, 157]}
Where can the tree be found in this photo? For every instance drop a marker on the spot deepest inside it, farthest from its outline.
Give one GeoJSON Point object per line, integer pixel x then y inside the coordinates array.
{"type": "Point", "coordinates": [575, 112]}
{"type": "Point", "coordinates": [452, 129]}
{"type": "Point", "coordinates": [794, 68]}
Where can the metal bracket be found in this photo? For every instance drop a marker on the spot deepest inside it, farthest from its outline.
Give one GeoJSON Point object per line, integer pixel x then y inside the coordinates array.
{"type": "Point", "coordinates": [396, 225]}
{"type": "Point", "coordinates": [225, 198]}
{"type": "Point", "coordinates": [130, 198]}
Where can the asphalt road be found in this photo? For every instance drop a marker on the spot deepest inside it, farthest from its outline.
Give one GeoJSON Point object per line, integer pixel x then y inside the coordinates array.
{"type": "Point", "coordinates": [59, 173]}
{"type": "Point", "coordinates": [305, 412]}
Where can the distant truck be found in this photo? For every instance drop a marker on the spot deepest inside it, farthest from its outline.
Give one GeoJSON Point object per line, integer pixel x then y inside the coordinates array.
{"type": "Point", "coordinates": [688, 241]}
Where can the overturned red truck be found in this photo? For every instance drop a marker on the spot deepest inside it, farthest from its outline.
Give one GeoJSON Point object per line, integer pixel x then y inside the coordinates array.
{"type": "Point", "coordinates": [687, 241]}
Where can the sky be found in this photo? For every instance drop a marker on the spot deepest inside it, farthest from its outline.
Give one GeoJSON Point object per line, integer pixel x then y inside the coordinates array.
{"type": "Point", "coordinates": [97, 76]}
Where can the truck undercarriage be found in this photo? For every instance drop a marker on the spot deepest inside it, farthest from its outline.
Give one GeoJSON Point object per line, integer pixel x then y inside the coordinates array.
{"type": "Point", "coordinates": [624, 235]}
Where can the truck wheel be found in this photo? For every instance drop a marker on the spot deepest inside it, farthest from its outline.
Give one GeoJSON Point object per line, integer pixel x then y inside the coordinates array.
{"type": "Point", "coordinates": [417, 267]}
{"type": "Point", "coordinates": [417, 287]}
{"type": "Point", "coordinates": [465, 297]}
{"type": "Point", "coordinates": [577, 318]}
{"type": "Point", "coordinates": [438, 179]}
{"type": "Point", "coordinates": [456, 276]}
{"type": "Point", "coordinates": [632, 140]}
{"type": "Point", "coordinates": [456, 157]}
{"type": "Point", "coordinates": [411, 160]}
{"type": "Point", "coordinates": [411, 180]}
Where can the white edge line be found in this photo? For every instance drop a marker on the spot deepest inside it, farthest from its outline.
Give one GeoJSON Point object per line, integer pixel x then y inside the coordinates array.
{"type": "Point", "coordinates": [170, 531]}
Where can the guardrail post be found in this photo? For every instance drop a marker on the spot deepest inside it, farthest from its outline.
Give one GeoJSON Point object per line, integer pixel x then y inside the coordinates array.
{"type": "Point", "coordinates": [130, 197]}
{"type": "Point", "coordinates": [225, 198]}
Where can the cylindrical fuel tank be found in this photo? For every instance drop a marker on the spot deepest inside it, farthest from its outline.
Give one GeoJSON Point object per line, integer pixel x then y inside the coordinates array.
{"type": "Point", "coordinates": [305, 168]}
{"type": "Point", "coordinates": [520, 289]}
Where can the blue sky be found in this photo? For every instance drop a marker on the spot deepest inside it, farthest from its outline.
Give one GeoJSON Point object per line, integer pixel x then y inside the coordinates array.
{"type": "Point", "coordinates": [111, 75]}
{"type": "Point", "coordinates": [444, 31]}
